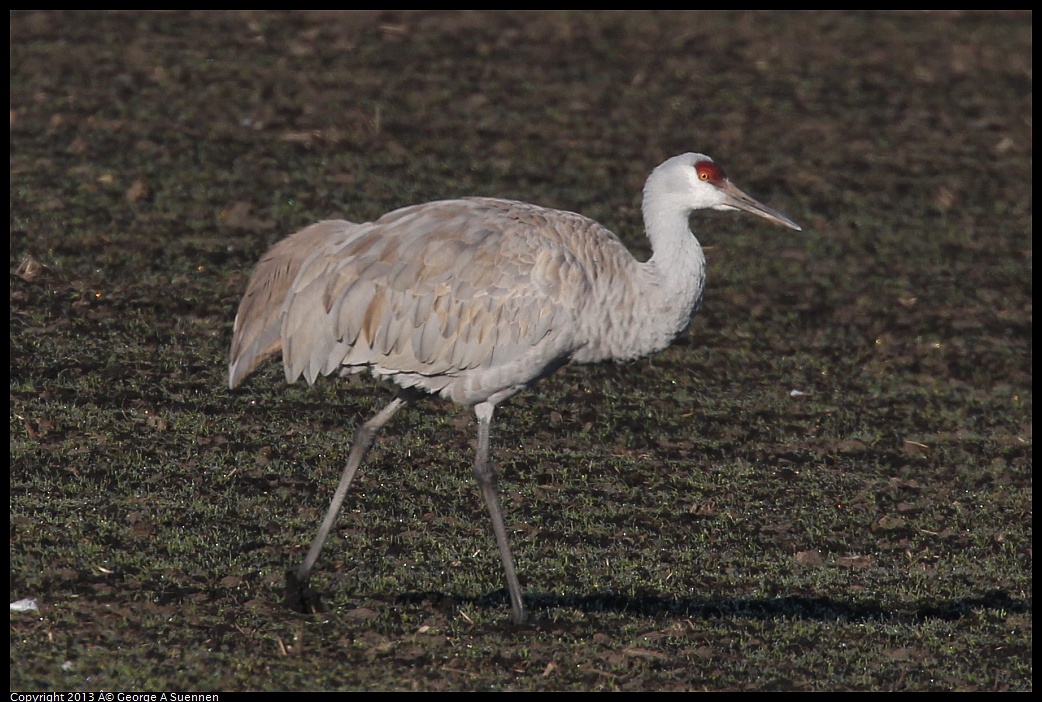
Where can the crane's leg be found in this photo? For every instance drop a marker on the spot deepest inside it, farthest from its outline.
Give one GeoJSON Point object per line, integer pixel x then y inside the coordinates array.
{"type": "Point", "coordinates": [298, 594]}
{"type": "Point", "coordinates": [487, 479]}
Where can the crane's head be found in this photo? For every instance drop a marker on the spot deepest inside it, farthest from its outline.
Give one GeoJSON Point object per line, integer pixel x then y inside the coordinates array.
{"type": "Point", "coordinates": [694, 182]}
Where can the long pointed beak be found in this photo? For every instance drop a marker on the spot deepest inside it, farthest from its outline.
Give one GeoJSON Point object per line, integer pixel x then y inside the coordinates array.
{"type": "Point", "coordinates": [737, 199]}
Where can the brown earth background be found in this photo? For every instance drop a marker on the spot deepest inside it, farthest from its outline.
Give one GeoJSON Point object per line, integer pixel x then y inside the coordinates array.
{"type": "Point", "coordinates": [685, 522]}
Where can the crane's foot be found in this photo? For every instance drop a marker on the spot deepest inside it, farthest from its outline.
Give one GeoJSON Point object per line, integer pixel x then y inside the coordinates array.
{"type": "Point", "coordinates": [299, 595]}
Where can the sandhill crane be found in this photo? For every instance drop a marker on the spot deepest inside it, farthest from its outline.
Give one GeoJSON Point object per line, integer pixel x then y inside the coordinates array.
{"type": "Point", "coordinates": [475, 299]}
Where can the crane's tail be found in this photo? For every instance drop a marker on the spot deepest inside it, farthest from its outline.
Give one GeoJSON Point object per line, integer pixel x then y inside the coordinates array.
{"type": "Point", "coordinates": [258, 324]}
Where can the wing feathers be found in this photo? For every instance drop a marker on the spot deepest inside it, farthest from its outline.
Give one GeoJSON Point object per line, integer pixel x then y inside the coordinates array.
{"type": "Point", "coordinates": [428, 292]}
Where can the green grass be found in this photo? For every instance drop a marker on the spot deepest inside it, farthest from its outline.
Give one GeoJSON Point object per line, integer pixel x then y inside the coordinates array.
{"type": "Point", "coordinates": [680, 523]}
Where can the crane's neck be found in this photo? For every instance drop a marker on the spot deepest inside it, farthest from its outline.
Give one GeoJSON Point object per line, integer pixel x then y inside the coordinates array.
{"type": "Point", "coordinates": [637, 309]}
{"type": "Point", "coordinates": [675, 275]}
{"type": "Point", "coordinates": [676, 254]}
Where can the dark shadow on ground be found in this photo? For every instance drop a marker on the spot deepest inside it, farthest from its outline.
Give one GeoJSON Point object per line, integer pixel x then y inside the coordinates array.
{"type": "Point", "coordinates": [786, 607]}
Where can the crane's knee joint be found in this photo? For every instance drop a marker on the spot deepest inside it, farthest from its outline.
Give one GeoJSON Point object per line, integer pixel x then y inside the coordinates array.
{"type": "Point", "coordinates": [486, 475]}
{"type": "Point", "coordinates": [364, 434]}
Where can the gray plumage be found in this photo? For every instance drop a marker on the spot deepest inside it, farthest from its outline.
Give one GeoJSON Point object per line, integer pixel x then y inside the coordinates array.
{"type": "Point", "coordinates": [475, 299]}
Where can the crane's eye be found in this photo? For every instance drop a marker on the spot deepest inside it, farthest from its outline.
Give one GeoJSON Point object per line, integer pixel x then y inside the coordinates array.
{"type": "Point", "coordinates": [709, 172]}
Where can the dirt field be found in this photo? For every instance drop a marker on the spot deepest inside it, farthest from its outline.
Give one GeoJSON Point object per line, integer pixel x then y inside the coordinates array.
{"type": "Point", "coordinates": [825, 484]}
